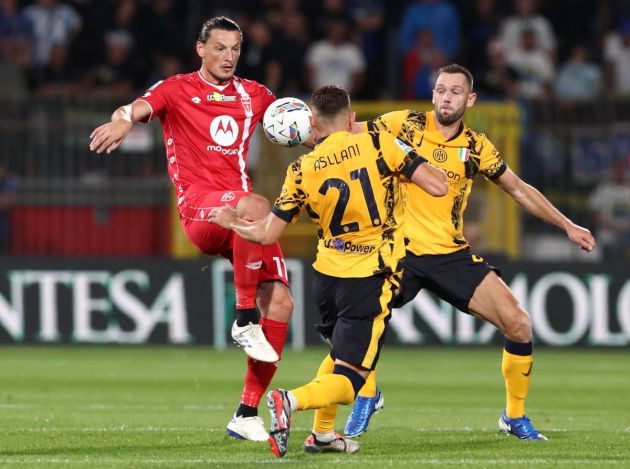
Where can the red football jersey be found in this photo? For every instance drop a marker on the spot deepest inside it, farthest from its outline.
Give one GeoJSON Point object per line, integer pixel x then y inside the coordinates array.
{"type": "Point", "coordinates": [207, 129]}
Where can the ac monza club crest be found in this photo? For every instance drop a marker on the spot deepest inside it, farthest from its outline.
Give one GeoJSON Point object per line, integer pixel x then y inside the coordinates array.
{"type": "Point", "coordinates": [224, 130]}
{"type": "Point", "coordinates": [246, 101]}
{"type": "Point", "coordinates": [228, 197]}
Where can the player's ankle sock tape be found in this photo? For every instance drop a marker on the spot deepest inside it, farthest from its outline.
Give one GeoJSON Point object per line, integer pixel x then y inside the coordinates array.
{"type": "Point", "coordinates": [246, 411]}
{"type": "Point", "coordinates": [516, 348]}
{"type": "Point", "coordinates": [355, 378]}
{"type": "Point", "coordinates": [245, 316]}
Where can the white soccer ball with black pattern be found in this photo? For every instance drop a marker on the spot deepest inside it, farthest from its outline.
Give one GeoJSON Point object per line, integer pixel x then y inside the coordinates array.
{"type": "Point", "coordinates": [287, 122]}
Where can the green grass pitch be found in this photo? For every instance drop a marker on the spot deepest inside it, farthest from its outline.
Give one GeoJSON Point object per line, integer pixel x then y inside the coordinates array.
{"type": "Point", "coordinates": [167, 407]}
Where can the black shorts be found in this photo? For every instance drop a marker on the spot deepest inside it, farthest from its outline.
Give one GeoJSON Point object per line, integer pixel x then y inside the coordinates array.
{"type": "Point", "coordinates": [355, 313]}
{"type": "Point", "coordinates": [453, 277]}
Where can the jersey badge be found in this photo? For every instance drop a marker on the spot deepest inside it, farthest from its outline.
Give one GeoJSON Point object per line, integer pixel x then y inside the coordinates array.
{"type": "Point", "coordinates": [246, 101]}
{"type": "Point", "coordinates": [406, 148]}
{"type": "Point", "coordinates": [464, 154]}
{"type": "Point", "coordinates": [439, 155]}
{"type": "Point", "coordinates": [228, 197]}
{"type": "Point", "coordinates": [196, 99]}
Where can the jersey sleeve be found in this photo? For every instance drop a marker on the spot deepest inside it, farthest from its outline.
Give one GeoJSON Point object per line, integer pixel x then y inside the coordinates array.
{"type": "Point", "coordinates": [267, 97]}
{"type": "Point", "coordinates": [399, 156]}
{"type": "Point", "coordinates": [390, 122]}
{"type": "Point", "coordinates": [292, 198]}
{"type": "Point", "coordinates": [492, 165]}
{"type": "Point", "coordinates": [157, 98]}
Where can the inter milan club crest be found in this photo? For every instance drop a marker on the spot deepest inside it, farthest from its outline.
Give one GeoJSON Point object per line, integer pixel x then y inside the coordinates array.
{"type": "Point", "coordinates": [439, 155]}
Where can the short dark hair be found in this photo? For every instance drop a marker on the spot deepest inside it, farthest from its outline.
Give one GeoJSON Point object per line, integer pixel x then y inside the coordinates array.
{"type": "Point", "coordinates": [218, 22]}
{"type": "Point", "coordinates": [329, 100]}
{"type": "Point", "coordinates": [456, 68]}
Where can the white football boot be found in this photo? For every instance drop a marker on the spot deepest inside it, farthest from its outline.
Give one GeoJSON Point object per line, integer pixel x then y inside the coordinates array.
{"type": "Point", "coordinates": [253, 341]}
{"type": "Point", "coordinates": [247, 428]}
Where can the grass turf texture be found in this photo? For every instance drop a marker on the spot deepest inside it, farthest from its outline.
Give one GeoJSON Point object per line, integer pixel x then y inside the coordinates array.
{"type": "Point", "coordinates": [168, 407]}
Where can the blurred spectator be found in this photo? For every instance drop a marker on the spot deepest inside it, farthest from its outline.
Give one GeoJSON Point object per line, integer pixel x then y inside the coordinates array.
{"type": "Point", "coordinates": [167, 66]}
{"type": "Point", "coordinates": [335, 60]}
{"type": "Point", "coordinates": [499, 80]}
{"type": "Point", "coordinates": [52, 23]}
{"type": "Point", "coordinates": [533, 67]}
{"type": "Point", "coordinates": [15, 35]}
{"type": "Point", "coordinates": [578, 79]}
{"type": "Point", "coordinates": [610, 203]}
{"type": "Point", "coordinates": [59, 76]}
{"type": "Point", "coordinates": [8, 187]}
{"type": "Point", "coordinates": [420, 66]}
{"type": "Point", "coordinates": [117, 74]}
{"type": "Point", "coordinates": [369, 18]}
{"type": "Point", "coordinates": [481, 22]}
{"type": "Point", "coordinates": [440, 16]}
{"type": "Point", "coordinates": [617, 56]}
{"type": "Point", "coordinates": [527, 18]}
{"type": "Point", "coordinates": [291, 42]}
{"type": "Point", "coordinates": [163, 29]}
{"type": "Point", "coordinates": [258, 61]}
{"type": "Point", "coordinates": [329, 11]}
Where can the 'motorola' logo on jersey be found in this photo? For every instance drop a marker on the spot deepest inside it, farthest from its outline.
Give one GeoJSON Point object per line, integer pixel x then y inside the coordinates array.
{"type": "Point", "coordinates": [439, 155]}
{"type": "Point", "coordinates": [224, 130]}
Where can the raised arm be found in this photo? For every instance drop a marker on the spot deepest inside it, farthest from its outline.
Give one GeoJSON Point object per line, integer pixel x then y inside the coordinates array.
{"type": "Point", "coordinates": [108, 137]}
{"type": "Point", "coordinates": [537, 204]}
{"type": "Point", "coordinates": [265, 231]}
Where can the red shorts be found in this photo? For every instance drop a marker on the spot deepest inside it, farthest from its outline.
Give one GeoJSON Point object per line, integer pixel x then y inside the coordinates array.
{"type": "Point", "coordinates": [213, 240]}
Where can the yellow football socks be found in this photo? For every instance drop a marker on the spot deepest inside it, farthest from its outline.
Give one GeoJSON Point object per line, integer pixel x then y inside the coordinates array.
{"type": "Point", "coordinates": [369, 388]}
{"type": "Point", "coordinates": [517, 371]}
{"type": "Point", "coordinates": [324, 418]}
{"type": "Point", "coordinates": [324, 391]}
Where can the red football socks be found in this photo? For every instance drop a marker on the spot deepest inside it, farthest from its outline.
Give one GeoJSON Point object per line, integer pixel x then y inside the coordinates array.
{"type": "Point", "coordinates": [247, 261]}
{"type": "Point", "coordinates": [260, 374]}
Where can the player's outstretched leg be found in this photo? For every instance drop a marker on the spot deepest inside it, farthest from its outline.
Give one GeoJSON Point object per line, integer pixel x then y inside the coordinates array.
{"type": "Point", "coordinates": [520, 427]}
{"type": "Point", "coordinates": [247, 260]}
{"type": "Point", "coordinates": [280, 411]}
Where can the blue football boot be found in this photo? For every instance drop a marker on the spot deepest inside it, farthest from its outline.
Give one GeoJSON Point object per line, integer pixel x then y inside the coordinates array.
{"type": "Point", "coordinates": [520, 427]}
{"type": "Point", "coordinates": [364, 408]}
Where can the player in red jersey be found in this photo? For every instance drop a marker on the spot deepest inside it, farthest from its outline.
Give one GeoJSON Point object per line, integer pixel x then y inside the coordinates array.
{"type": "Point", "coordinates": [207, 119]}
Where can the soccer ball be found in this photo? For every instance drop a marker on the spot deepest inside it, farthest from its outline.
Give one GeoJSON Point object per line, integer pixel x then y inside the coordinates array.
{"type": "Point", "coordinates": [287, 122]}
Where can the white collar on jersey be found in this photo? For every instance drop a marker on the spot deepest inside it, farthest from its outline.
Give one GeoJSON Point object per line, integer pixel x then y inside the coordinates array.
{"type": "Point", "coordinates": [218, 87]}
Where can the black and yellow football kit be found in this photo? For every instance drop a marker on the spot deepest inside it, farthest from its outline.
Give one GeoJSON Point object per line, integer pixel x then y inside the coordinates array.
{"type": "Point", "coordinates": [350, 187]}
{"type": "Point", "coordinates": [438, 256]}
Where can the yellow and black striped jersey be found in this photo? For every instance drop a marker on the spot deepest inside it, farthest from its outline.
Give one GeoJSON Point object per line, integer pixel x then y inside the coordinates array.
{"type": "Point", "coordinates": [350, 187]}
{"type": "Point", "coordinates": [434, 225]}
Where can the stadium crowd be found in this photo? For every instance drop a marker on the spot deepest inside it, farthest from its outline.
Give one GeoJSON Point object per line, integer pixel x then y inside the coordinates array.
{"type": "Point", "coordinates": [566, 62]}
{"type": "Point", "coordinates": [529, 49]}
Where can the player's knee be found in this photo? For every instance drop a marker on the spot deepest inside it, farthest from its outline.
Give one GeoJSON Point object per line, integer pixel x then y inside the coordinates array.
{"type": "Point", "coordinates": [519, 328]}
{"type": "Point", "coordinates": [355, 378]}
{"type": "Point", "coordinates": [253, 207]}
